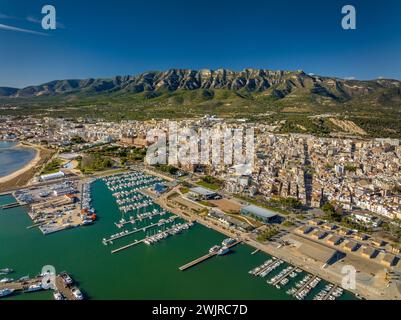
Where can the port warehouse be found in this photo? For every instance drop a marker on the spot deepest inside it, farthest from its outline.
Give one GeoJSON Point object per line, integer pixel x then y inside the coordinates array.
{"type": "Point", "coordinates": [52, 176]}
{"type": "Point", "coordinates": [267, 216]}
{"type": "Point", "coordinates": [200, 193]}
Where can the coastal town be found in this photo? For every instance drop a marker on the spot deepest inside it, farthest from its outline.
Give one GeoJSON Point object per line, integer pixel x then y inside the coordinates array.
{"type": "Point", "coordinates": [315, 204]}
{"type": "Point", "coordinates": [352, 172]}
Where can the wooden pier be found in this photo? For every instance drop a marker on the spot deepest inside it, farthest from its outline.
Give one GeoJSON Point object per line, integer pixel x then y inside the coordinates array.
{"type": "Point", "coordinates": [305, 285]}
{"type": "Point", "coordinates": [132, 221]}
{"type": "Point", "coordinates": [64, 289]}
{"type": "Point", "coordinates": [265, 268]}
{"type": "Point", "coordinates": [37, 225]}
{"type": "Point", "coordinates": [6, 194]}
{"type": "Point", "coordinates": [330, 292]}
{"type": "Point", "coordinates": [283, 276]}
{"type": "Point", "coordinates": [20, 286]}
{"type": "Point", "coordinates": [128, 246]}
{"type": "Point", "coordinates": [203, 258]}
{"type": "Point", "coordinates": [197, 261]}
{"type": "Point", "coordinates": [135, 231]}
{"type": "Point", "coordinates": [255, 252]}
{"type": "Point", "coordinates": [11, 205]}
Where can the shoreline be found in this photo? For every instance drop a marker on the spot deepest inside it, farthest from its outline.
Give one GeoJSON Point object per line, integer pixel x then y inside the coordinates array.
{"type": "Point", "coordinates": [31, 164]}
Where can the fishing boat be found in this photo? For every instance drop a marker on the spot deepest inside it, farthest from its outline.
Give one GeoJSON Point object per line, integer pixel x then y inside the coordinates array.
{"type": "Point", "coordinates": [6, 292]}
{"type": "Point", "coordinates": [34, 288]}
{"type": "Point", "coordinates": [6, 271]}
{"type": "Point", "coordinates": [58, 296]}
{"type": "Point", "coordinates": [223, 251]}
{"type": "Point", "coordinates": [66, 278]}
{"type": "Point", "coordinates": [77, 293]}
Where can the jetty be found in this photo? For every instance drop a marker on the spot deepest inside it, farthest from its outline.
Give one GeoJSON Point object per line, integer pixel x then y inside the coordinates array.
{"type": "Point", "coordinates": [330, 292]}
{"type": "Point", "coordinates": [128, 246]}
{"type": "Point", "coordinates": [255, 252]}
{"type": "Point", "coordinates": [203, 258]}
{"type": "Point", "coordinates": [197, 261]}
{"type": "Point", "coordinates": [140, 219]}
{"type": "Point", "coordinates": [6, 194]}
{"type": "Point", "coordinates": [11, 205]}
{"type": "Point", "coordinates": [37, 225]}
{"type": "Point", "coordinates": [285, 275]}
{"type": "Point", "coordinates": [126, 234]}
{"type": "Point", "coordinates": [20, 285]}
{"type": "Point", "coordinates": [64, 289]}
{"type": "Point", "coordinates": [305, 285]}
{"type": "Point", "coordinates": [265, 268]}
{"type": "Point", "coordinates": [149, 240]}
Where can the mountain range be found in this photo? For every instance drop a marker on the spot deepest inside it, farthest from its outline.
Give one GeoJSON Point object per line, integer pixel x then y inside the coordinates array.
{"type": "Point", "coordinates": [277, 85]}
{"type": "Point", "coordinates": [291, 101]}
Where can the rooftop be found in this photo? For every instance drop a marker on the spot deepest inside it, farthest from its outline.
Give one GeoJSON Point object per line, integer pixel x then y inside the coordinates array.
{"type": "Point", "coordinates": [261, 212]}
{"type": "Point", "coordinates": [202, 191]}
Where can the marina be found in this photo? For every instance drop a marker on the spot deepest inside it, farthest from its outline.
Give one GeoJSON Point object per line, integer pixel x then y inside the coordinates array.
{"type": "Point", "coordinates": [300, 288]}
{"type": "Point", "coordinates": [157, 237]}
{"type": "Point", "coordinates": [139, 211]}
{"type": "Point", "coordinates": [82, 251]}
{"type": "Point", "coordinates": [127, 233]}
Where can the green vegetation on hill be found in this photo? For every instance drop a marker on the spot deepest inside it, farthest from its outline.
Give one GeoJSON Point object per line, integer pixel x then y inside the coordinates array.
{"type": "Point", "coordinates": [332, 213]}
{"type": "Point", "coordinates": [52, 167]}
{"type": "Point", "coordinates": [167, 168]}
{"type": "Point", "coordinates": [295, 99]}
{"type": "Point", "coordinates": [268, 234]}
{"type": "Point", "coordinates": [94, 162]}
{"type": "Point", "coordinates": [125, 154]}
{"type": "Point", "coordinates": [210, 183]}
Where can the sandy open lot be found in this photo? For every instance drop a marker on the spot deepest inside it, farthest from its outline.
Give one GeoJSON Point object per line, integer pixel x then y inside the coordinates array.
{"type": "Point", "coordinates": [228, 206]}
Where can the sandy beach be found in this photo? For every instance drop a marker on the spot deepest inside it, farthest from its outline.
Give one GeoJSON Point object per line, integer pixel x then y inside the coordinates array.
{"type": "Point", "coordinates": [27, 167]}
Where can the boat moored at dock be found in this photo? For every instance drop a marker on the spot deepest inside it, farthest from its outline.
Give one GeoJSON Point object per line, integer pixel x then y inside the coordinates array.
{"type": "Point", "coordinates": [6, 271]}
{"type": "Point", "coordinates": [34, 288]}
{"type": "Point", "coordinates": [6, 292]}
{"type": "Point", "coordinates": [223, 251]}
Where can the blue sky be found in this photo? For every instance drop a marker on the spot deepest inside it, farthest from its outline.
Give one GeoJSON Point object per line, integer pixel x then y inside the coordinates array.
{"type": "Point", "coordinates": [100, 38]}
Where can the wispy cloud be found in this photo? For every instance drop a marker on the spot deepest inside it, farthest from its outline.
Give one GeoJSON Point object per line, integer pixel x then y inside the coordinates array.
{"type": "Point", "coordinates": [349, 78]}
{"type": "Point", "coordinates": [33, 19]}
{"type": "Point", "coordinates": [16, 29]}
{"type": "Point", "coordinates": [4, 16]}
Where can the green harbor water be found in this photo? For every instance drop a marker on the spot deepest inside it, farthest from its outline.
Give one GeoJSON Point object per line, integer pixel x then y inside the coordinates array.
{"type": "Point", "coordinates": [140, 272]}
